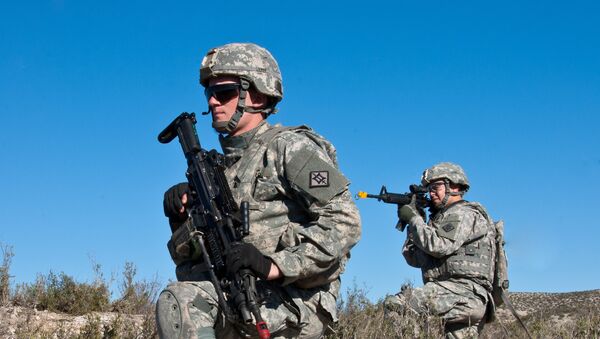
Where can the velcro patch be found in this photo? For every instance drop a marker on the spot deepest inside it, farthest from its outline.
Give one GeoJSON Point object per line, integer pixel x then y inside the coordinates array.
{"type": "Point", "coordinates": [318, 179]}
{"type": "Point", "coordinates": [313, 175]}
{"type": "Point", "coordinates": [448, 227]}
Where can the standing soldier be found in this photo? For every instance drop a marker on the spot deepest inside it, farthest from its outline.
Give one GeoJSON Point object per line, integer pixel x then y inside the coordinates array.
{"type": "Point", "coordinates": [455, 251]}
{"type": "Point", "coordinates": [303, 221]}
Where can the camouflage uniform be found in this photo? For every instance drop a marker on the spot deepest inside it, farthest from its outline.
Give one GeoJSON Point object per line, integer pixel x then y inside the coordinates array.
{"type": "Point", "coordinates": [455, 250]}
{"type": "Point", "coordinates": [302, 217]}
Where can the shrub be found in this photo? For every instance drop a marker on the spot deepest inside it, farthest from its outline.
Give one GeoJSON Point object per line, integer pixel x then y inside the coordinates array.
{"type": "Point", "coordinates": [63, 294]}
{"type": "Point", "coordinates": [7, 255]}
{"type": "Point", "coordinates": [136, 297]}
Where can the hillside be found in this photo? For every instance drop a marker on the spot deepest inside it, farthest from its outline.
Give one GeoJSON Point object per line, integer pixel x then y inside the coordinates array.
{"type": "Point", "coordinates": [551, 315]}
{"type": "Point", "coordinates": [546, 315]}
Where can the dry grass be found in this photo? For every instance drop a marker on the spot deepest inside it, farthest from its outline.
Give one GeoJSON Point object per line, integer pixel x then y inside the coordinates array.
{"type": "Point", "coordinates": [360, 318]}
{"type": "Point", "coordinates": [7, 255]}
{"type": "Point", "coordinates": [546, 315]}
{"type": "Point", "coordinates": [56, 306]}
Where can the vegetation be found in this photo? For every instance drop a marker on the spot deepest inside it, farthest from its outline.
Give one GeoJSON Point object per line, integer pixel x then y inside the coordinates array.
{"type": "Point", "coordinates": [86, 310]}
{"type": "Point", "coordinates": [569, 315]}
{"type": "Point", "coordinates": [359, 318]}
{"type": "Point", "coordinates": [78, 309]}
{"type": "Point", "coordinates": [7, 255]}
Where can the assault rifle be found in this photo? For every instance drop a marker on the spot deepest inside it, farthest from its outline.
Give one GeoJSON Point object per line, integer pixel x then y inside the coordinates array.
{"type": "Point", "coordinates": [215, 223]}
{"type": "Point", "coordinates": [399, 199]}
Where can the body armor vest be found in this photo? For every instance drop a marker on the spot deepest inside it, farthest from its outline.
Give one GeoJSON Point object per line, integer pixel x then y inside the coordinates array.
{"type": "Point", "coordinates": [473, 260]}
{"type": "Point", "coordinates": [275, 216]}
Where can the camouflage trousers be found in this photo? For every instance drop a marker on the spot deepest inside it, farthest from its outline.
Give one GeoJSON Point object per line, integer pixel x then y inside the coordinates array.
{"type": "Point", "coordinates": [461, 305]}
{"type": "Point", "coordinates": [189, 309]}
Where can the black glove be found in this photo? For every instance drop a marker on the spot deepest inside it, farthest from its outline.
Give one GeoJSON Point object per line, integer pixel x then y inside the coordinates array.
{"type": "Point", "coordinates": [407, 212]}
{"type": "Point", "coordinates": [172, 203]}
{"type": "Point", "coordinates": [244, 255]}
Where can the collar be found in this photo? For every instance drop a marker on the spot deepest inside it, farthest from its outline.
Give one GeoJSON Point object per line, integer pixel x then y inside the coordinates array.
{"type": "Point", "coordinates": [234, 146]}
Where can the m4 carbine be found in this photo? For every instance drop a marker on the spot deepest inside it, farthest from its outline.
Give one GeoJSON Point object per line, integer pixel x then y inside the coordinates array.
{"type": "Point", "coordinates": [400, 199]}
{"type": "Point", "coordinates": [215, 223]}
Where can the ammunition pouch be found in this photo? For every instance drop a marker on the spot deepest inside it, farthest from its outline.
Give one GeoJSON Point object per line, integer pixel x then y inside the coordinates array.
{"type": "Point", "coordinates": [181, 245]}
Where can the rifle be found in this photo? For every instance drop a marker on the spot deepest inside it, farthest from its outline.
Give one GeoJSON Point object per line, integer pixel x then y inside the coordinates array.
{"type": "Point", "coordinates": [215, 223]}
{"type": "Point", "coordinates": [399, 199]}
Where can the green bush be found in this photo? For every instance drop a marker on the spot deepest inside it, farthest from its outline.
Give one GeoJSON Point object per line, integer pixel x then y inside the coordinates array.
{"type": "Point", "coordinates": [63, 294]}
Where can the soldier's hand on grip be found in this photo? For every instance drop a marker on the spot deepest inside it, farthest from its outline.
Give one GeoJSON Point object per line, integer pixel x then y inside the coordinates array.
{"type": "Point", "coordinates": [407, 212]}
{"type": "Point", "coordinates": [173, 205]}
{"type": "Point", "coordinates": [243, 255]}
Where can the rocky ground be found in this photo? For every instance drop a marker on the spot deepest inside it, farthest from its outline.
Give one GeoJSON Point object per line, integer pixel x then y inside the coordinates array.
{"type": "Point", "coordinates": [20, 322]}
{"type": "Point", "coordinates": [560, 315]}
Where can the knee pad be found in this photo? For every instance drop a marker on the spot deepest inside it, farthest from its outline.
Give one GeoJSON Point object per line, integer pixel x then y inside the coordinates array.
{"type": "Point", "coordinates": [168, 316]}
{"type": "Point", "coordinates": [179, 314]}
{"type": "Point", "coordinates": [396, 302]}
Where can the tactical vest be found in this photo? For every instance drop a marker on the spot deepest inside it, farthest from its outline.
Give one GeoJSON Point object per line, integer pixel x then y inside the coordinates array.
{"type": "Point", "coordinates": [474, 260]}
{"type": "Point", "coordinates": [275, 216]}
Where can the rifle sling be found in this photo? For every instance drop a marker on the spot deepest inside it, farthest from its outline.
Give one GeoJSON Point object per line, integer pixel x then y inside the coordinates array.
{"type": "Point", "coordinates": [512, 310]}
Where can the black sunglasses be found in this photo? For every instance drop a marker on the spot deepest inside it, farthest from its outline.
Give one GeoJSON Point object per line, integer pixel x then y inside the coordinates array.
{"type": "Point", "coordinates": [223, 93]}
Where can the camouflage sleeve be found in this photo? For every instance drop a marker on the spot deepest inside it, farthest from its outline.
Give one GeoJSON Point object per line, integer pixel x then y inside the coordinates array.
{"type": "Point", "coordinates": [443, 237]}
{"type": "Point", "coordinates": [322, 190]}
{"type": "Point", "coordinates": [408, 251]}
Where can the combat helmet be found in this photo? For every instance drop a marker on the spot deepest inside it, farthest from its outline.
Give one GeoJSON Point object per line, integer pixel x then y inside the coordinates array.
{"type": "Point", "coordinates": [450, 173]}
{"type": "Point", "coordinates": [254, 66]}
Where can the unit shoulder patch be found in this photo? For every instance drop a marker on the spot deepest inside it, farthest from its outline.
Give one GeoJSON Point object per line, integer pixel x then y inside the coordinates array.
{"type": "Point", "coordinates": [313, 175]}
{"type": "Point", "coordinates": [448, 228]}
{"type": "Point", "coordinates": [318, 179]}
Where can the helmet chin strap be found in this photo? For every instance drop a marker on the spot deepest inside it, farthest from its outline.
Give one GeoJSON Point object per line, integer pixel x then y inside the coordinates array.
{"type": "Point", "coordinates": [448, 193]}
{"type": "Point", "coordinates": [229, 126]}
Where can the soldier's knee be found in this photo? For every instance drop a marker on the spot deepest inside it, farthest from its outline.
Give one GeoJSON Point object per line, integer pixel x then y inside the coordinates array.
{"type": "Point", "coordinates": [183, 312]}
{"type": "Point", "coordinates": [394, 300]}
{"type": "Point", "coordinates": [168, 315]}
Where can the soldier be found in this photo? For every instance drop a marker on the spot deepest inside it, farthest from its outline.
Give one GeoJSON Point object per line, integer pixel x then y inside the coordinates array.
{"type": "Point", "coordinates": [303, 221]}
{"type": "Point", "coordinates": [455, 250]}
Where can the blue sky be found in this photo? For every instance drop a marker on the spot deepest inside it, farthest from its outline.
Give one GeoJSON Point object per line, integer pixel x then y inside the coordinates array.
{"type": "Point", "coordinates": [509, 90]}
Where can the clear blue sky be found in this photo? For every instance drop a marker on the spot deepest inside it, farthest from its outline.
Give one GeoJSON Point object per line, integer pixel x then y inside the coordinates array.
{"type": "Point", "coordinates": [510, 90]}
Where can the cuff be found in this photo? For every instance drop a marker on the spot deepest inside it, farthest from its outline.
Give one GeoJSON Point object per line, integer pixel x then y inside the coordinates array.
{"type": "Point", "coordinates": [289, 264]}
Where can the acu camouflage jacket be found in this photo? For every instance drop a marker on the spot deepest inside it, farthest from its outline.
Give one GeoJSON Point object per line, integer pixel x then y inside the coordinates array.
{"type": "Point", "coordinates": [457, 242]}
{"type": "Point", "coordinates": [302, 214]}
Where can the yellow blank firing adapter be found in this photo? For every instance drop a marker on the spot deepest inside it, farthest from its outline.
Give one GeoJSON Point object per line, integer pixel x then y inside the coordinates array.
{"type": "Point", "coordinates": [362, 195]}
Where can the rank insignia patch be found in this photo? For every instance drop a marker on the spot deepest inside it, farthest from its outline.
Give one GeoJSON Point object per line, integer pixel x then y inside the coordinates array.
{"type": "Point", "coordinates": [448, 227]}
{"type": "Point", "coordinates": [319, 179]}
